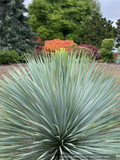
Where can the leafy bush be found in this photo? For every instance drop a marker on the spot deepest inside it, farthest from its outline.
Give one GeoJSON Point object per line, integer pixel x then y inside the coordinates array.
{"type": "Point", "coordinates": [101, 60]}
{"type": "Point", "coordinates": [106, 55]}
{"type": "Point", "coordinates": [117, 60]}
{"type": "Point", "coordinates": [58, 110]}
{"type": "Point", "coordinates": [2, 49]}
{"type": "Point", "coordinates": [93, 49]}
{"type": "Point", "coordinates": [108, 43]}
{"type": "Point", "coordinates": [39, 55]}
{"type": "Point", "coordinates": [115, 55]}
{"type": "Point", "coordinates": [7, 57]}
{"type": "Point", "coordinates": [57, 44]}
{"type": "Point", "coordinates": [39, 45]}
{"type": "Point", "coordinates": [118, 50]}
{"type": "Point", "coordinates": [24, 58]}
{"type": "Point", "coordinates": [106, 47]}
{"type": "Point", "coordinates": [79, 50]}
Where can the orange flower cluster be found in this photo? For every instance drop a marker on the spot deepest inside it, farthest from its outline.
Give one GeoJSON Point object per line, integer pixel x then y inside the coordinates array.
{"type": "Point", "coordinates": [56, 44]}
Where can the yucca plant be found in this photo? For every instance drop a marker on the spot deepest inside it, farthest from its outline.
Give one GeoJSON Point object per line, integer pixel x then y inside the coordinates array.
{"type": "Point", "coordinates": [59, 109]}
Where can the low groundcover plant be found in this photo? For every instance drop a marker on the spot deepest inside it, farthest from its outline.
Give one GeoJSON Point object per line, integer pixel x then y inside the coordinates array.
{"type": "Point", "coordinates": [59, 109]}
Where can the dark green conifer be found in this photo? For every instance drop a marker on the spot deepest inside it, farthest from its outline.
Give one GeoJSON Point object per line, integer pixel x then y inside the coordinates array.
{"type": "Point", "coordinates": [15, 32]}
{"type": "Point", "coordinates": [118, 32]}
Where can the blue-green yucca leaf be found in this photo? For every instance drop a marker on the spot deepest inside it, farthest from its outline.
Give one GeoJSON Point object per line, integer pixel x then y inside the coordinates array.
{"type": "Point", "coordinates": [59, 108]}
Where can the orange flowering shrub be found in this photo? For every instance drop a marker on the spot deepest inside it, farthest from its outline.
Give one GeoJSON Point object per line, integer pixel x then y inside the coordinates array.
{"type": "Point", "coordinates": [56, 44]}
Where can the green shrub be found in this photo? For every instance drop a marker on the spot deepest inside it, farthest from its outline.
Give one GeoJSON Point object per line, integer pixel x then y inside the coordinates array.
{"type": "Point", "coordinates": [117, 60]}
{"type": "Point", "coordinates": [24, 58]}
{"type": "Point", "coordinates": [7, 57]}
{"type": "Point", "coordinates": [38, 55]}
{"type": "Point", "coordinates": [101, 60]}
{"type": "Point", "coordinates": [58, 110]}
{"type": "Point", "coordinates": [108, 43]}
{"type": "Point", "coordinates": [106, 47]}
{"type": "Point", "coordinates": [118, 50]}
{"type": "Point", "coordinates": [79, 50]}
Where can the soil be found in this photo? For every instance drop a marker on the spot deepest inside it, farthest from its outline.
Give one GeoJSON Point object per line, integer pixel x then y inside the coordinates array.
{"type": "Point", "coordinates": [5, 69]}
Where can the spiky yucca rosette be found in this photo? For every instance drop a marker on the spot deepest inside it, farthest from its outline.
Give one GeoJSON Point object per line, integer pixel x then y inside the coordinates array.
{"type": "Point", "coordinates": [57, 110]}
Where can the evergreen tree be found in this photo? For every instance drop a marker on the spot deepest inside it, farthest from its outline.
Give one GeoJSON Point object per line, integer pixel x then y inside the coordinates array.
{"type": "Point", "coordinates": [58, 18]}
{"type": "Point", "coordinates": [95, 29]}
{"type": "Point", "coordinates": [15, 32]}
{"type": "Point", "coordinates": [118, 32]}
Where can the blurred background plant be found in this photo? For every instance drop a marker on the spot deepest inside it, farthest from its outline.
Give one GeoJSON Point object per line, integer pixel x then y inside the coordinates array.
{"type": "Point", "coordinates": [8, 57]}
{"type": "Point", "coordinates": [106, 50]}
{"type": "Point", "coordinates": [118, 50]}
{"type": "Point", "coordinates": [39, 44]}
{"type": "Point", "coordinates": [115, 55]}
{"type": "Point", "coordinates": [117, 60]}
{"type": "Point", "coordinates": [24, 58]}
{"type": "Point", "coordinates": [15, 33]}
{"type": "Point", "coordinates": [57, 44]}
{"type": "Point", "coordinates": [93, 49]}
{"type": "Point", "coordinates": [80, 50]}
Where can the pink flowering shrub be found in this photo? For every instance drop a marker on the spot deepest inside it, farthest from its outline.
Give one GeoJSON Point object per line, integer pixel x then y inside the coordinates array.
{"type": "Point", "coordinates": [115, 55]}
{"type": "Point", "coordinates": [93, 49]}
{"type": "Point", "coordinates": [39, 45]}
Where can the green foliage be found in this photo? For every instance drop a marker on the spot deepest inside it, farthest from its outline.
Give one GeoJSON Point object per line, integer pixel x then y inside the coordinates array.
{"type": "Point", "coordinates": [7, 57]}
{"type": "Point", "coordinates": [95, 29]}
{"type": "Point", "coordinates": [39, 55]}
{"type": "Point", "coordinates": [58, 110]}
{"type": "Point", "coordinates": [105, 51]}
{"type": "Point", "coordinates": [39, 44]}
{"type": "Point", "coordinates": [96, 6]}
{"type": "Point", "coordinates": [79, 50]}
{"type": "Point", "coordinates": [101, 60]}
{"type": "Point", "coordinates": [24, 58]}
{"type": "Point", "coordinates": [118, 50]}
{"type": "Point", "coordinates": [108, 44]}
{"type": "Point", "coordinates": [118, 32]}
{"type": "Point", "coordinates": [58, 19]}
{"type": "Point", "coordinates": [15, 32]}
{"type": "Point", "coordinates": [3, 49]}
{"type": "Point", "coordinates": [117, 60]}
